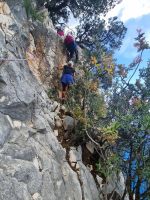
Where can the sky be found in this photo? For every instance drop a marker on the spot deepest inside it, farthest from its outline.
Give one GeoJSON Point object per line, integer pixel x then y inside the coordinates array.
{"type": "Point", "coordinates": [136, 15]}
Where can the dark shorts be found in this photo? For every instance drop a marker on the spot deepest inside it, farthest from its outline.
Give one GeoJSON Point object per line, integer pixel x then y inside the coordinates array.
{"type": "Point", "coordinates": [71, 47]}
{"type": "Point", "coordinates": [67, 79]}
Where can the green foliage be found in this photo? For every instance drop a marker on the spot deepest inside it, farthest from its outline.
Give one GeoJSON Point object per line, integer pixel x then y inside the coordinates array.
{"type": "Point", "coordinates": [97, 107]}
{"type": "Point", "coordinates": [87, 105]}
{"type": "Point", "coordinates": [92, 32]}
{"type": "Point", "coordinates": [32, 12]}
{"type": "Point", "coordinates": [111, 132]}
{"type": "Point", "coordinates": [52, 93]}
{"type": "Point", "coordinates": [28, 7]}
{"type": "Point", "coordinates": [95, 33]}
{"type": "Point", "coordinates": [146, 171]}
{"type": "Point", "coordinates": [59, 8]}
{"type": "Point", "coordinates": [145, 122]}
{"type": "Point", "coordinates": [103, 66]}
{"type": "Point", "coordinates": [131, 107]}
{"type": "Point", "coordinates": [109, 167]}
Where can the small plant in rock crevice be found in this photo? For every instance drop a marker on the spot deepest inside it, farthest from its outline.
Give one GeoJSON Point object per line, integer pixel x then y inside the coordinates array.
{"type": "Point", "coordinates": [32, 12]}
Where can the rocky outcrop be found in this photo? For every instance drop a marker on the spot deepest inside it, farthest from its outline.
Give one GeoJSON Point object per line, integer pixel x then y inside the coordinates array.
{"type": "Point", "coordinates": [115, 187]}
{"type": "Point", "coordinates": [33, 164]}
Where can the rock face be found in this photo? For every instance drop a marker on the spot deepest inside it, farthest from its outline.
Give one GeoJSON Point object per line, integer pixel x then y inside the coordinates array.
{"type": "Point", "coordinates": [33, 164]}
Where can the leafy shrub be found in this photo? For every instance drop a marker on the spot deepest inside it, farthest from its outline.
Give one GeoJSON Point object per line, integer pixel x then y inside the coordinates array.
{"type": "Point", "coordinates": [109, 167]}
{"type": "Point", "coordinates": [32, 12]}
{"type": "Point", "coordinates": [52, 93]}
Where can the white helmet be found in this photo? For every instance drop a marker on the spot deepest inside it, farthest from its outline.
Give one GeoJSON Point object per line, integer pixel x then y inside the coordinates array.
{"type": "Point", "coordinates": [70, 63]}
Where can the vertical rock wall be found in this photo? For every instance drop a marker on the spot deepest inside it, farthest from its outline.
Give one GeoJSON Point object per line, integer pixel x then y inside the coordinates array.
{"type": "Point", "coordinates": [33, 164]}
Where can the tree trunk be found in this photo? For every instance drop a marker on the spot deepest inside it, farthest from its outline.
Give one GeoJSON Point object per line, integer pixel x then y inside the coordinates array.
{"type": "Point", "coordinates": [137, 189]}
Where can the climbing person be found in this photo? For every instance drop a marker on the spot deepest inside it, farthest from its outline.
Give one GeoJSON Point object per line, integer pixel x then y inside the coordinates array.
{"type": "Point", "coordinates": [60, 32]}
{"type": "Point", "coordinates": [67, 78]}
{"type": "Point", "coordinates": [71, 46]}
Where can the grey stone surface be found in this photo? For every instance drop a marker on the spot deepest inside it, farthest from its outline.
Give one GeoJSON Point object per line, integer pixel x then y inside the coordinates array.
{"type": "Point", "coordinates": [10, 188]}
{"type": "Point", "coordinates": [55, 106]}
{"type": "Point", "coordinates": [115, 183]}
{"type": "Point", "coordinates": [75, 154]}
{"type": "Point", "coordinates": [5, 129]}
{"type": "Point", "coordinates": [28, 174]}
{"type": "Point", "coordinates": [33, 166]}
{"type": "Point", "coordinates": [90, 146]}
{"type": "Point", "coordinates": [19, 152]}
{"type": "Point", "coordinates": [36, 196]}
{"type": "Point", "coordinates": [18, 110]}
{"type": "Point", "coordinates": [39, 124]}
{"type": "Point", "coordinates": [58, 122]}
{"type": "Point", "coordinates": [69, 123]}
{"type": "Point", "coordinates": [90, 190]}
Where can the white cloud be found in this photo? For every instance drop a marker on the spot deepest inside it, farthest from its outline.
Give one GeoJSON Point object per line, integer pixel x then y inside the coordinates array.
{"type": "Point", "coordinates": [130, 9]}
{"type": "Point", "coordinates": [126, 43]}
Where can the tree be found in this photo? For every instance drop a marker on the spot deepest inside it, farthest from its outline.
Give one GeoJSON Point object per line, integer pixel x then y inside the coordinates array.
{"type": "Point", "coordinates": [62, 8]}
{"type": "Point", "coordinates": [130, 107]}
{"type": "Point", "coordinates": [89, 108]}
{"type": "Point", "coordinates": [93, 32]}
{"type": "Point", "coordinates": [98, 34]}
{"type": "Point", "coordinates": [132, 113]}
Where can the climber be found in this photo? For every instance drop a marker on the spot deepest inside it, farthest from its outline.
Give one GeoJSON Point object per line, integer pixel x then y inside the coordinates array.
{"type": "Point", "coordinates": [60, 32]}
{"type": "Point", "coordinates": [71, 46]}
{"type": "Point", "coordinates": [60, 29]}
{"type": "Point", "coordinates": [67, 78]}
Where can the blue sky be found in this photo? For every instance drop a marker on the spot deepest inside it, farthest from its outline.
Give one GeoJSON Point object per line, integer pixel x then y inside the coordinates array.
{"type": "Point", "coordinates": [128, 52]}
{"type": "Point", "coordinates": [136, 15]}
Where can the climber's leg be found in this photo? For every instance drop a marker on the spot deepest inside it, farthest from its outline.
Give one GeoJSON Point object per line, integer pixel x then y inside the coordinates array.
{"type": "Point", "coordinates": [68, 55]}
{"type": "Point", "coordinates": [76, 53]}
{"type": "Point", "coordinates": [64, 90]}
{"type": "Point", "coordinates": [68, 52]}
{"type": "Point", "coordinates": [71, 49]}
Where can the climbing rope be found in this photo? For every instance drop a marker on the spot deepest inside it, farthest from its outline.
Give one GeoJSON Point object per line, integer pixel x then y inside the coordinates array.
{"type": "Point", "coordinates": [18, 59]}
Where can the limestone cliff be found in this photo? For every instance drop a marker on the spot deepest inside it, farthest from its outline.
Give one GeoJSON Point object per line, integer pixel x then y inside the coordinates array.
{"type": "Point", "coordinates": [33, 164]}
